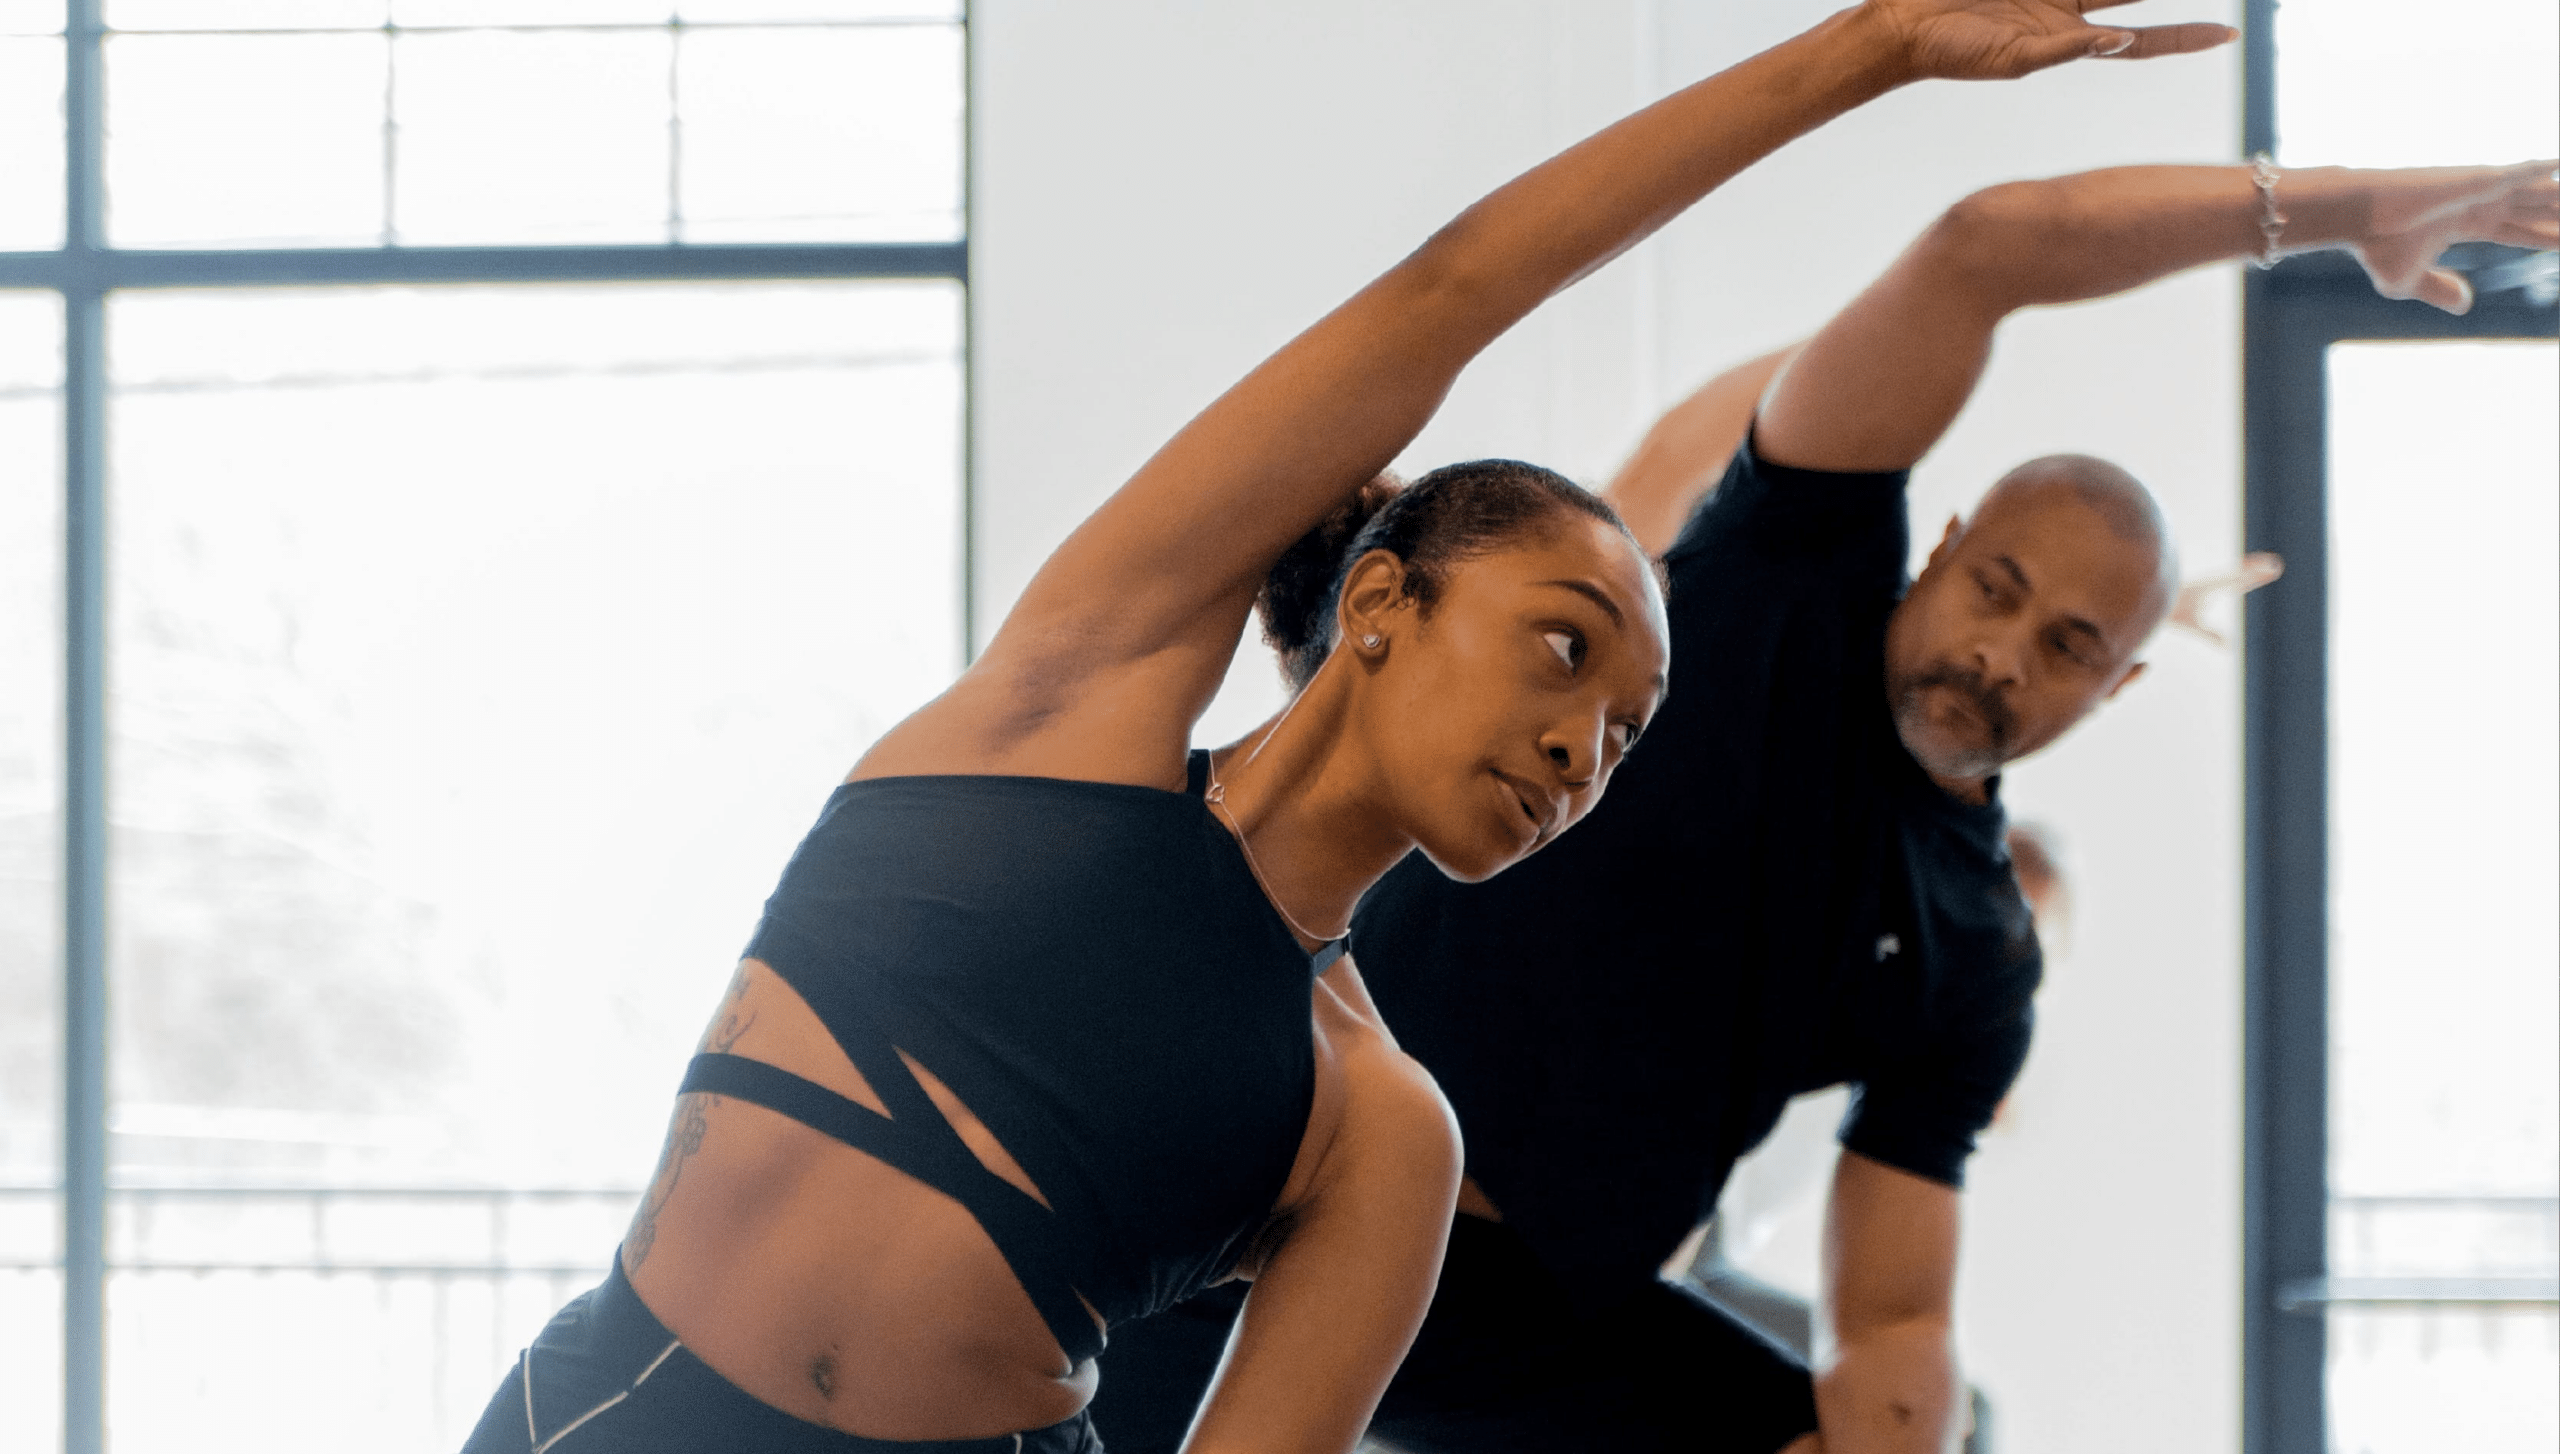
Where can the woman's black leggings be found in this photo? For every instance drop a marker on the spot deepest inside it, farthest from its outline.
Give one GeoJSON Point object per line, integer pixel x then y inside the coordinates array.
{"type": "Point", "coordinates": [1504, 1365]}
{"type": "Point", "coordinates": [606, 1377]}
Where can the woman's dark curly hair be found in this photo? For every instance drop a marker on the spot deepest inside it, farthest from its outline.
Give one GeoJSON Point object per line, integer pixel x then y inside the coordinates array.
{"type": "Point", "coordinates": [1452, 513]}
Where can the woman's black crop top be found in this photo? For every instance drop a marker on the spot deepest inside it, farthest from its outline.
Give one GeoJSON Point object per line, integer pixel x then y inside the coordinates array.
{"type": "Point", "coordinates": [1093, 969]}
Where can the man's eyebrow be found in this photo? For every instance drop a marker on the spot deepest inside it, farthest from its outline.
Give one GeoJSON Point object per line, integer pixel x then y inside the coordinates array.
{"type": "Point", "coordinates": [2015, 573]}
{"type": "Point", "coordinates": [1599, 597]}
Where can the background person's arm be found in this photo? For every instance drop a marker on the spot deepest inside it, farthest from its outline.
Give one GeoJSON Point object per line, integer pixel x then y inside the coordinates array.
{"type": "Point", "coordinates": [1884, 379]}
{"type": "Point", "coordinates": [1885, 1372]}
{"type": "Point", "coordinates": [1686, 450]}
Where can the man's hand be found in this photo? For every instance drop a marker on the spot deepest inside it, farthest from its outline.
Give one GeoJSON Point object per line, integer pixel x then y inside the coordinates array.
{"type": "Point", "coordinates": [2418, 213]}
{"type": "Point", "coordinates": [1996, 40]}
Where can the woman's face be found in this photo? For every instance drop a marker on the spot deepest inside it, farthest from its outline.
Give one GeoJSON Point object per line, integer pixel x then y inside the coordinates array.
{"type": "Point", "coordinates": [1498, 717]}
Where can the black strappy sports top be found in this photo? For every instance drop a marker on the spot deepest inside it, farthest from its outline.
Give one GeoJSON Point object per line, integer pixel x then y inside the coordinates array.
{"type": "Point", "coordinates": [1093, 969]}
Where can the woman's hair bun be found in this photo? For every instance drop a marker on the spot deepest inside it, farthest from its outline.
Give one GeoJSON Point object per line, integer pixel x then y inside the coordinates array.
{"type": "Point", "coordinates": [1296, 601]}
{"type": "Point", "coordinates": [1449, 515]}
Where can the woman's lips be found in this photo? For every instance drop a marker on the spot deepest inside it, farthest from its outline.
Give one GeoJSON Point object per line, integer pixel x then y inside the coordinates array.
{"type": "Point", "coordinates": [1535, 807]}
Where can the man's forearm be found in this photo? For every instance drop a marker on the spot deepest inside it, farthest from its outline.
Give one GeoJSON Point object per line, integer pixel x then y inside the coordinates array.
{"type": "Point", "coordinates": [1883, 380]}
{"type": "Point", "coordinates": [2098, 233]}
{"type": "Point", "coordinates": [1891, 1390]}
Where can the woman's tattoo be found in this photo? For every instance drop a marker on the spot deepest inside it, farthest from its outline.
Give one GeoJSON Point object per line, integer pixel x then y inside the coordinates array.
{"type": "Point", "coordinates": [685, 1132]}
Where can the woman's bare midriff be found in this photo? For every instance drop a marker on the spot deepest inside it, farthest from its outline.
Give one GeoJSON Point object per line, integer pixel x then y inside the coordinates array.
{"type": "Point", "coordinates": [824, 1282]}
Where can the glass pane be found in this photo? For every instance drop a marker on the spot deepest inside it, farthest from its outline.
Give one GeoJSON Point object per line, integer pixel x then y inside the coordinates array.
{"type": "Point", "coordinates": [30, 142]}
{"type": "Point", "coordinates": [2445, 948]}
{"type": "Point", "coordinates": [482, 653]}
{"type": "Point", "coordinates": [31, 17]}
{"type": "Point", "coordinates": [532, 12]}
{"type": "Point", "coordinates": [259, 140]}
{"type": "Point", "coordinates": [30, 868]}
{"type": "Point", "coordinates": [839, 135]}
{"type": "Point", "coordinates": [532, 136]}
{"type": "Point", "coordinates": [772, 10]}
{"type": "Point", "coordinates": [244, 14]}
{"type": "Point", "coordinates": [2374, 83]}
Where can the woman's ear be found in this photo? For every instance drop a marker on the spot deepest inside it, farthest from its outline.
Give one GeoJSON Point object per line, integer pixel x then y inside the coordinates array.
{"type": "Point", "coordinates": [1373, 595]}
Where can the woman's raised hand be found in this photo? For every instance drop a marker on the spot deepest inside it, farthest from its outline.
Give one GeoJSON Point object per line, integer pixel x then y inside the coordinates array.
{"type": "Point", "coordinates": [2417, 213]}
{"type": "Point", "coordinates": [1995, 40]}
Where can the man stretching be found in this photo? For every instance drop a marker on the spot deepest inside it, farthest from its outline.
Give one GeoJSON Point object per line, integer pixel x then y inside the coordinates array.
{"type": "Point", "coordinates": [1799, 881]}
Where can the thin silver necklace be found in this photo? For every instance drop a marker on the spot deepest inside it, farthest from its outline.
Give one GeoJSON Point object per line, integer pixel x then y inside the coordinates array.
{"type": "Point", "coordinates": [1216, 798]}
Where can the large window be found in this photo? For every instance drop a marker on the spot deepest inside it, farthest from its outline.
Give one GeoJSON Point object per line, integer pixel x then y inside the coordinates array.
{"type": "Point", "coordinates": [473, 474]}
{"type": "Point", "coordinates": [2404, 815]}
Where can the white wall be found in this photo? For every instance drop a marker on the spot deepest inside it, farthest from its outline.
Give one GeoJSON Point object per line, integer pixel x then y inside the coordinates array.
{"type": "Point", "coordinates": [1166, 191]}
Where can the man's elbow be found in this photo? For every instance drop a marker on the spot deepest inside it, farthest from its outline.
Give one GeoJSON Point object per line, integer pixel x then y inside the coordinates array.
{"type": "Point", "coordinates": [1993, 243]}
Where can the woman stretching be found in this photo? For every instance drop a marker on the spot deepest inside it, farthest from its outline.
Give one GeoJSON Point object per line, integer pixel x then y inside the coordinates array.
{"type": "Point", "coordinates": [1031, 1038]}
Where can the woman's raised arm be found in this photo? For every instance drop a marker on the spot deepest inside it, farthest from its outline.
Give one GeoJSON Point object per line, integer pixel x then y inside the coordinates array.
{"type": "Point", "coordinates": [1121, 639]}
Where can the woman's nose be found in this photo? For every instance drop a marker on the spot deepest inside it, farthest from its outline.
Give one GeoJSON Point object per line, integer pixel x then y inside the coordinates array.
{"type": "Point", "coordinates": [1576, 755]}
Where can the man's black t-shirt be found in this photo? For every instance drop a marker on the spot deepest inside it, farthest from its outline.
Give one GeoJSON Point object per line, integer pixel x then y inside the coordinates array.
{"type": "Point", "coordinates": [1771, 898]}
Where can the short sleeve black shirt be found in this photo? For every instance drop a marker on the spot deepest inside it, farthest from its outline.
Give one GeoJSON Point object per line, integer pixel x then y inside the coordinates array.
{"type": "Point", "coordinates": [1772, 898]}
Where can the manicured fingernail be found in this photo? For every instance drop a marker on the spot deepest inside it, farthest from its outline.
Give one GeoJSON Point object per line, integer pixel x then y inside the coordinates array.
{"type": "Point", "coordinates": [2112, 45]}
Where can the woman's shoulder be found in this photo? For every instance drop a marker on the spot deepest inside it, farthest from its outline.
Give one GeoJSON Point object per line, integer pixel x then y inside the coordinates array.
{"type": "Point", "coordinates": [1392, 1107]}
{"type": "Point", "coordinates": [1016, 713]}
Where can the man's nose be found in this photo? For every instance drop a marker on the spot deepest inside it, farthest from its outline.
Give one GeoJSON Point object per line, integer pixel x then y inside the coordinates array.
{"type": "Point", "coordinates": [2002, 659]}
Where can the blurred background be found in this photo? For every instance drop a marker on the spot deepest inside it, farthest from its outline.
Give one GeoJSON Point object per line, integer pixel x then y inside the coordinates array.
{"type": "Point", "coordinates": [474, 473]}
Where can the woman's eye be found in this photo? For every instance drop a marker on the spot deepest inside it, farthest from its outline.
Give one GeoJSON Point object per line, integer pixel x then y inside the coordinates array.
{"type": "Point", "coordinates": [1566, 646]}
{"type": "Point", "coordinates": [1626, 736]}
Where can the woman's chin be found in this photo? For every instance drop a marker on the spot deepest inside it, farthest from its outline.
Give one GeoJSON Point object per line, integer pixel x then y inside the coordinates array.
{"type": "Point", "coordinates": [1474, 858]}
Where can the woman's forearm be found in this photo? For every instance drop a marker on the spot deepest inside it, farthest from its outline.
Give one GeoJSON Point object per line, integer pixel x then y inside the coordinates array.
{"type": "Point", "coordinates": [1542, 231]}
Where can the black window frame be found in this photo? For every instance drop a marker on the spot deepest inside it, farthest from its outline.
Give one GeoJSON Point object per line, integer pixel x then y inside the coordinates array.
{"type": "Point", "coordinates": [83, 271]}
{"type": "Point", "coordinates": [2291, 315]}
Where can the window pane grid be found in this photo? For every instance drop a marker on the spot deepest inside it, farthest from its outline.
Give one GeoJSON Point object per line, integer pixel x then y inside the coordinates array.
{"type": "Point", "coordinates": [620, 131]}
{"type": "Point", "coordinates": [281, 16]}
{"type": "Point", "coordinates": [285, 163]}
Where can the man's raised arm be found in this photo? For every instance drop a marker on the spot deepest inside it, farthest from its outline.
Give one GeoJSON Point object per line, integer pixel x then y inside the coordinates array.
{"type": "Point", "coordinates": [1883, 380]}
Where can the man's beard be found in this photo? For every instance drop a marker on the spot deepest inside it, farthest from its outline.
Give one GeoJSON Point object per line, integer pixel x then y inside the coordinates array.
{"type": "Point", "coordinates": [1999, 724]}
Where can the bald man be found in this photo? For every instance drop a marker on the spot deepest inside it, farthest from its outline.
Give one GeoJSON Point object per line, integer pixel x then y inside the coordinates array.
{"type": "Point", "coordinates": [1798, 879]}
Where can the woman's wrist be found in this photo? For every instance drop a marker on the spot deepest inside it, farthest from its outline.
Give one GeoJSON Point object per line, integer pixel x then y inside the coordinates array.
{"type": "Point", "coordinates": [1873, 51]}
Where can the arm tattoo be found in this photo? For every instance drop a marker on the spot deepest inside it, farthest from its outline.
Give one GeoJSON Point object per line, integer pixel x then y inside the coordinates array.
{"type": "Point", "coordinates": [685, 1132]}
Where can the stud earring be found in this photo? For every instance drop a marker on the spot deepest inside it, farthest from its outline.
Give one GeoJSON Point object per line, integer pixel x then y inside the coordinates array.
{"type": "Point", "coordinates": [1370, 641]}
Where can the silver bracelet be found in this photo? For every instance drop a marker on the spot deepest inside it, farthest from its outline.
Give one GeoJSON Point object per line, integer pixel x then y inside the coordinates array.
{"type": "Point", "coordinates": [2271, 218]}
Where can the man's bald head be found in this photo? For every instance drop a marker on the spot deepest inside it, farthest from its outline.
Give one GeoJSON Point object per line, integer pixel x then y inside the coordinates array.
{"type": "Point", "coordinates": [2105, 491]}
{"type": "Point", "coordinates": [2108, 492]}
{"type": "Point", "coordinates": [2028, 615]}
